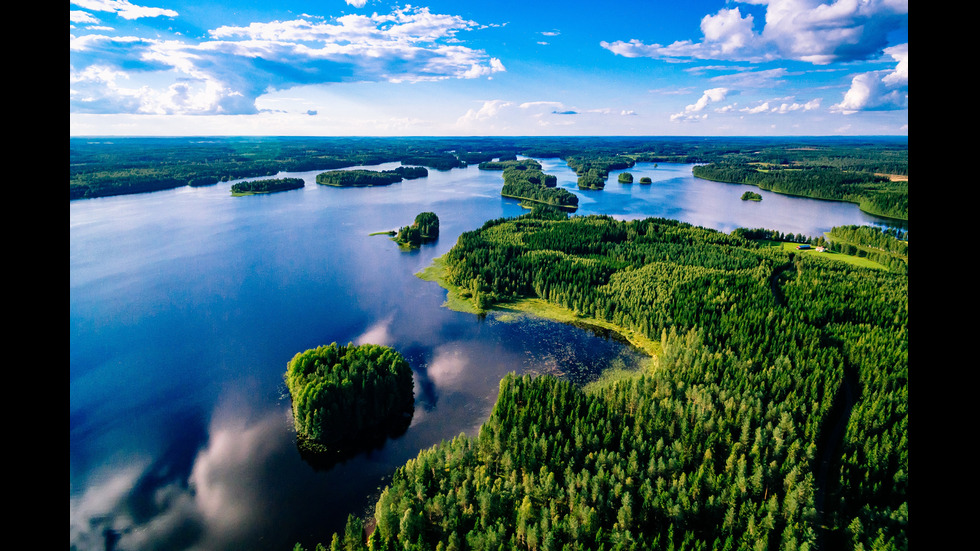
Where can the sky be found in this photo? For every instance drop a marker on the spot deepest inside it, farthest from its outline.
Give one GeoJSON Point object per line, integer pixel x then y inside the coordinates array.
{"type": "Point", "coordinates": [477, 68]}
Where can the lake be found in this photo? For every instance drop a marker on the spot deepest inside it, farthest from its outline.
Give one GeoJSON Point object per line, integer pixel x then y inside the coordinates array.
{"type": "Point", "coordinates": [185, 306]}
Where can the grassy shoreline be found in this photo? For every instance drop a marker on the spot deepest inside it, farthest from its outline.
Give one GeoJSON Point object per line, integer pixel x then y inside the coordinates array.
{"type": "Point", "coordinates": [455, 300]}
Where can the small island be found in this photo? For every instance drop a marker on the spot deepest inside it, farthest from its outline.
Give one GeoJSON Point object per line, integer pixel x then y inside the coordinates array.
{"type": "Point", "coordinates": [344, 395]}
{"type": "Point", "coordinates": [266, 186]}
{"type": "Point", "coordinates": [533, 186]}
{"type": "Point", "coordinates": [423, 230]}
{"type": "Point", "coordinates": [751, 196]}
{"type": "Point", "coordinates": [367, 178]}
{"type": "Point", "coordinates": [646, 180]}
{"type": "Point", "coordinates": [625, 178]}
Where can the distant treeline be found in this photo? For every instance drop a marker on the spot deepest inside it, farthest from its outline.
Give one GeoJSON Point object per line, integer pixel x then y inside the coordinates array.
{"type": "Point", "coordinates": [266, 186]}
{"type": "Point", "coordinates": [102, 166]}
{"type": "Point", "coordinates": [874, 194]}
{"type": "Point", "coordinates": [720, 447]}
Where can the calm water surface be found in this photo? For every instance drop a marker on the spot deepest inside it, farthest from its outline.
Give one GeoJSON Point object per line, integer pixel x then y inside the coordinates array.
{"type": "Point", "coordinates": [185, 306]}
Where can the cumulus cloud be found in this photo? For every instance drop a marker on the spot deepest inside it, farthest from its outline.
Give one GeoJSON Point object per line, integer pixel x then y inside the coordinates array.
{"type": "Point", "coordinates": [879, 90]}
{"type": "Point", "coordinates": [225, 74]}
{"type": "Point", "coordinates": [123, 8]}
{"type": "Point", "coordinates": [695, 111]}
{"type": "Point", "coordinates": [356, 3]}
{"type": "Point", "coordinates": [806, 30]}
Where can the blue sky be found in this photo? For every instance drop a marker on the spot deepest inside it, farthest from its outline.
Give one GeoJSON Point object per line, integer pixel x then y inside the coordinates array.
{"type": "Point", "coordinates": [372, 68]}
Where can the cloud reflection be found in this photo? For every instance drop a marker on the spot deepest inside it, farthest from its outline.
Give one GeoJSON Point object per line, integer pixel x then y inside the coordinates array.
{"type": "Point", "coordinates": [222, 504]}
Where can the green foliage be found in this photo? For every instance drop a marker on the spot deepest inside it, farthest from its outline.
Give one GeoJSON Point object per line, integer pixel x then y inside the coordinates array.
{"type": "Point", "coordinates": [266, 186]}
{"type": "Point", "coordinates": [625, 178]}
{"type": "Point", "coordinates": [341, 393]}
{"type": "Point", "coordinates": [873, 193]}
{"type": "Point", "coordinates": [530, 184]}
{"type": "Point", "coordinates": [751, 196]}
{"type": "Point", "coordinates": [424, 229]}
{"type": "Point", "coordinates": [720, 446]}
{"type": "Point", "coordinates": [646, 180]}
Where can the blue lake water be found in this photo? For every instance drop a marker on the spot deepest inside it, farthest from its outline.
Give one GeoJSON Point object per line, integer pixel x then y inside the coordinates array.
{"type": "Point", "coordinates": [185, 306]}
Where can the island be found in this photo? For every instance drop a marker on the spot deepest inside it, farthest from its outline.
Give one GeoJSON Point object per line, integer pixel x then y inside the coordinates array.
{"type": "Point", "coordinates": [266, 186]}
{"type": "Point", "coordinates": [646, 180]}
{"type": "Point", "coordinates": [531, 186]}
{"type": "Point", "coordinates": [344, 395]}
{"type": "Point", "coordinates": [366, 178]}
{"type": "Point", "coordinates": [423, 230]}
{"type": "Point", "coordinates": [625, 178]}
{"type": "Point", "coordinates": [751, 196]}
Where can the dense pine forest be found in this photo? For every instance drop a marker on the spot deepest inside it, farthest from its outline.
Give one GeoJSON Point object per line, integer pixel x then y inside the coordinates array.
{"type": "Point", "coordinates": [741, 436]}
{"type": "Point", "coordinates": [345, 394]}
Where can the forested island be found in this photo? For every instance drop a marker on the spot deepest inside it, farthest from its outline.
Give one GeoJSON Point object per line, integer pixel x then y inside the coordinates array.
{"type": "Point", "coordinates": [423, 230]}
{"type": "Point", "coordinates": [365, 178]}
{"type": "Point", "coordinates": [101, 167]}
{"type": "Point", "coordinates": [625, 178]}
{"type": "Point", "coordinates": [719, 444]}
{"type": "Point", "coordinates": [534, 186]}
{"type": "Point", "coordinates": [266, 186]}
{"type": "Point", "coordinates": [344, 395]}
{"type": "Point", "coordinates": [751, 196]}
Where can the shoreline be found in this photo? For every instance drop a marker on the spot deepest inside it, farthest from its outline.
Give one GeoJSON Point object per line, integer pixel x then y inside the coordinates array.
{"type": "Point", "coordinates": [436, 273]}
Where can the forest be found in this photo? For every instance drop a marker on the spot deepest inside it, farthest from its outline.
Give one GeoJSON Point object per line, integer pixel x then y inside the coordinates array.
{"type": "Point", "coordinates": [101, 167]}
{"type": "Point", "coordinates": [345, 394]}
{"type": "Point", "coordinates": [364, 178]}
{"type": "Point", "coordinates": [423, 230]}
{"type": "Point", "coordinates": [875, 194]}
{"type": "Point", "coordinates": [773, 364]}
{"type": "Point", "coordinates": [266, 186]}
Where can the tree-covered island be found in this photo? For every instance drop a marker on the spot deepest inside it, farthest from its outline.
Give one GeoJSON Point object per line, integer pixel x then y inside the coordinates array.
{"type": "Point", "coordinates": [342, 395]}
{"type": "Point", "coordinates": [423, 230]}
{"type": "Point", "coordinates": [266, 186]}
{"type": "Point", "coordinates": [525, 181]}
{"type": "Point", "coordinates": [365, 178]}
{"type": "Point", "coordinates": [751, 196]}
{"type": "Point", "coordinates": [625, 178]}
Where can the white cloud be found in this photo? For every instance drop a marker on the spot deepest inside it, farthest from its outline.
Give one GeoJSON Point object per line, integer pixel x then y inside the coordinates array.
{"type": "Point", "coordinates": [879, 90]}
{"type": "Point", "coordinates": [226, 74]}
{"type": "Point", "coordinates": [489, 110]}
{"type": "Point", "coordinates": [695, 111]}
{"type": "Point", "coordinates": [357, 3]}
{"type": "Point", "coordinates": [752, 79]}
{"type": "Point", "coordinates": [123, 8]}
{"type": "Point", "coordinates": [805, 30]}
{"type": "Point", "coordinates": [81, 17]}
